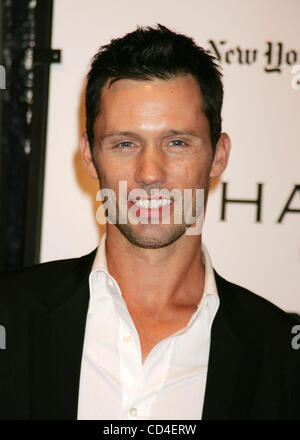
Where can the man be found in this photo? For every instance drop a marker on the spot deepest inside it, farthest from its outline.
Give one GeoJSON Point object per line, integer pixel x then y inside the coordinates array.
{"type": "Point", "coordinates": [143, 327]}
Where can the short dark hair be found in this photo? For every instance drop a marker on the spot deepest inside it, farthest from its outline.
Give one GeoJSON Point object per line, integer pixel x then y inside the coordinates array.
{"type": "Point", "coordinates": [155, 52]}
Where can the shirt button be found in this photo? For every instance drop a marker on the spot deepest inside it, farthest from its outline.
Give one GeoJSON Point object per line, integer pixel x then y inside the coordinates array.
{"type": "Point", "coordinates": [126, 338]}
{"type": "Point", "coordinates": [133, 412]}
{"type": "Point", "coordinates": [109, 283]}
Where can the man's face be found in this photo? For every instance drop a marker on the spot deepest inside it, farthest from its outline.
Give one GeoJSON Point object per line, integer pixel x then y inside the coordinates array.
{"type": "Point", "coordinates": [153, 134]}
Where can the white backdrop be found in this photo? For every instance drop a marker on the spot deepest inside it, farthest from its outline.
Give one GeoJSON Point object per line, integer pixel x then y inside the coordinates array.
{"type": "Point", "coordinates": [261, 114]}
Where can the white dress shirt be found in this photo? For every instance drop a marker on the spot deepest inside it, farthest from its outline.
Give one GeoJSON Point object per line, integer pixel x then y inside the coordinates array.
{"type": "Point", "coordinates": [115, 384]}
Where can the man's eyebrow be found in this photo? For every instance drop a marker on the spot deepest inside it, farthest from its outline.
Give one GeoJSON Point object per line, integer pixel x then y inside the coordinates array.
{"type": "Point", "coordinates": [118, 133]}
{"type": "Point", "coordinates": [181, 133]}
{"type": "Point", "coordinates": [163, 134]}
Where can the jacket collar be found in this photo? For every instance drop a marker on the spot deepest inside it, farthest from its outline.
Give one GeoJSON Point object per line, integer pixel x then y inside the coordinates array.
{"type": "Point", "coordinates": [234, 358]}
{"type": "Point", "coordinates": [224, 361]}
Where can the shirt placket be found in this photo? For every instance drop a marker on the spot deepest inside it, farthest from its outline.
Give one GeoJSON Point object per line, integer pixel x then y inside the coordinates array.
{"type": "Point", "coordinates": [130, 361]}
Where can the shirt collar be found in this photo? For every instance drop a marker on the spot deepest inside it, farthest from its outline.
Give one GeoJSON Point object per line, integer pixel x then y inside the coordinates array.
{"type": "Point", "coordinates": [100, 265]}
{"type": "Point", "coordinates": [210, 286]}
{"type": "Point", "coordinates": [100, 262]}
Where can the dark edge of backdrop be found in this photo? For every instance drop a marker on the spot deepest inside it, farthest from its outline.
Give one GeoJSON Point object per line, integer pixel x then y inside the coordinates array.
{"type": "Point", "coordinates": [21, 193]}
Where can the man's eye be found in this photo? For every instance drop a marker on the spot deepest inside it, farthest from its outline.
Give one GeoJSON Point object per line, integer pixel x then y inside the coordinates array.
{"type": "Point", "coordinates": [125, 144]}
{"type": "Point", "coordinates": [177, 143]}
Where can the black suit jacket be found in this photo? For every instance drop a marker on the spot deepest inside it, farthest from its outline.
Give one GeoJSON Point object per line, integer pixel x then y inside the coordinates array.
{"type": "Point", "coordinates": [253, 371]}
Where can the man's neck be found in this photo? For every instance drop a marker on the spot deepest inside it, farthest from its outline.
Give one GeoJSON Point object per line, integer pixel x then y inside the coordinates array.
{"type": "Point", "coordinates": [156, 280]}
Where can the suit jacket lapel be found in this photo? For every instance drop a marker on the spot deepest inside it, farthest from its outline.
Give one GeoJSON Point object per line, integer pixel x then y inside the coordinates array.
{"type": "Point", "coordinates": [224, 360]}
{"type": "Point", "coordinates": [223, 367]}
{"type": "Point", "coordinates": [68, 337]}
{"type": "Point", "coordinates": [56, 342]}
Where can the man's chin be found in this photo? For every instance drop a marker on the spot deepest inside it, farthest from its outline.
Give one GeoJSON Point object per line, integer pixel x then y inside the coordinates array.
{"type": "Point", "coordinates": [150, 236]}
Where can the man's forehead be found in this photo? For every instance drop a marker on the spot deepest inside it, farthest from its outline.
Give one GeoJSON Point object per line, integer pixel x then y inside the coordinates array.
{"type": "Point", "coordinates": [182, 80]}
{"type": "Point", "coordinates": [154, 104]}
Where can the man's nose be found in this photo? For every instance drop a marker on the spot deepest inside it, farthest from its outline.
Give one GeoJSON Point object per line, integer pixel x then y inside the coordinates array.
{"type": "Point", "coordinates": [150, 166]}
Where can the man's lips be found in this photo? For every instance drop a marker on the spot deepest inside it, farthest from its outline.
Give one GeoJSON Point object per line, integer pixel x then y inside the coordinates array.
{"type": "Point", "coordinates": [150, 198]}
{"type": "Point", "coordinates": [151, 206]}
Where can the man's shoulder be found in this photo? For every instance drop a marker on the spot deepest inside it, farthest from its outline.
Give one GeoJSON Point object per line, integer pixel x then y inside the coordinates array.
{"type": "Point", "coordinates": [38, 281]}
{"type": "Point", "coordinates": [251, 311]}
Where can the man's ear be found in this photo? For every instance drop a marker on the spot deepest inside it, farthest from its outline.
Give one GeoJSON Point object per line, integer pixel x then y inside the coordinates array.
{"type": "Point", "coordinates": [221, 155]}
{"type": "Point", "coordinates": [87, 157]}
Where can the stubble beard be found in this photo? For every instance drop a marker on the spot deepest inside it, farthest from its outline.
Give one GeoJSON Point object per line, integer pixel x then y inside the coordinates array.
{"type": "Point", "coordinates": [155, 240]}
{"type": "Point", "coordinates": [154, 236]}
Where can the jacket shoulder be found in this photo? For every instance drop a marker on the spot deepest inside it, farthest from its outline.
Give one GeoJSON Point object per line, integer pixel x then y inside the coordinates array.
{"type": "Point", "coordinates": [259, 313]}
{"type": "Point", "coordinates": [264, 336]}
{"type": "Point", "coordinates": [36, 282]}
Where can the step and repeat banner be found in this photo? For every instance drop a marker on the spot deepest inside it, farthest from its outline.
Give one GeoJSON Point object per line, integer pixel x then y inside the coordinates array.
{"type": "Point", "coordinates": [252, 225]}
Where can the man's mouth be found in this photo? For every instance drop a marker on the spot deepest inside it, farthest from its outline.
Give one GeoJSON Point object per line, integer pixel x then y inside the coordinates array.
{"type": "Point", "coordinates": [151, 207]}
{"type": "Point", "coordinates": [152, 203]}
